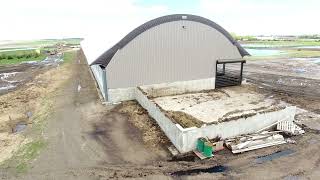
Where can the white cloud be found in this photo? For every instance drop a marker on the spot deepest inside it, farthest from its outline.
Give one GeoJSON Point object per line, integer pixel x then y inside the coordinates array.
{"type": "Point", "coordinates": [30, 19]}
{"type": "Point", "coordinates": [264, 17]}
{"type": "Point", "coordinates": [71, 18]}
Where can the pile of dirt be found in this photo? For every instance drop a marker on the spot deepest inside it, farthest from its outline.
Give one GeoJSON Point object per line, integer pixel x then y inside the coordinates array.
{"type": "Point", "coordinates": [153, 136]}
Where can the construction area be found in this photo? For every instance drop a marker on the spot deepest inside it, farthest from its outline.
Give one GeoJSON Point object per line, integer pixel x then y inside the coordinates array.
{"type": "Point", "coordinates": [140, 110]}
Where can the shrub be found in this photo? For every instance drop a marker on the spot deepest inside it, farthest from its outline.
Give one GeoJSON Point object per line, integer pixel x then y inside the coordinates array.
{"type": "Point", "coordinates": [3, 56]}
{"type": "Point", "coordinates": [28, 56]}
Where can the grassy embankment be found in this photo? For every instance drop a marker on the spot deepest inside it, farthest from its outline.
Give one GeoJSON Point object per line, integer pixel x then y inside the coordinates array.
{"type": "Point", "coordinates": [18, 56]}
{"type": "Point", "coordinates": [68, 56]}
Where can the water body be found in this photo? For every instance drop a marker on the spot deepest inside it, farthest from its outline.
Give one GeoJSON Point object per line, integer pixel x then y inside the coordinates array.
{"type": "Point", "coordinates": [264, 52]}
{"type": "Point", "coordinates": [308, 47]}
{"type": "Point", "coordinates": [7, 81]}
{"type": "Point", "coordinates": [263, 45]}
{"type": "Point", "coordinates": [19, 127]}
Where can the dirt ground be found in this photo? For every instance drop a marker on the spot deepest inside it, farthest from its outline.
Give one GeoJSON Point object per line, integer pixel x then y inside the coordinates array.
{"type": "Point", "coordinates": [88, 140]}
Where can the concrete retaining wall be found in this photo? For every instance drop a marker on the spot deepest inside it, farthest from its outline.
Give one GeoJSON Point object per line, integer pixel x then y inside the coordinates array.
{"type": "Point", "coordinates": [184, 139]}
{"type": "Point", "coordinates": [172, 131]}
{"type": "Point", "coordinates": [236, 127]}
{"type": "Point", "coordinates": [121, 94]}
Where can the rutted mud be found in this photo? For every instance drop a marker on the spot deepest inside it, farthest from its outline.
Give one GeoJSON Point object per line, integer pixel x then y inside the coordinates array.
{"type": "Point", "coordinates": [14, 76]}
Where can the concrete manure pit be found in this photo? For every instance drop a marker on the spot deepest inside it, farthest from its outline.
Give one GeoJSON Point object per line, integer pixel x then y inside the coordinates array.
{"type": "Point", "coordinates": [224, 113]}
{"type": "Point", "coordinates": [217, 106]}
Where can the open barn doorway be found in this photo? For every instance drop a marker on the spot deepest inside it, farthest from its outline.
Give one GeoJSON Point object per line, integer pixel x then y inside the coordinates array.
{"type": "Point", "coordinates": [229, 72]}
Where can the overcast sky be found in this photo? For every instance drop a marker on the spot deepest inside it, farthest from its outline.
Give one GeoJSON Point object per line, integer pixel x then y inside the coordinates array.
{"type": "Point", "coordinates": [35, 19]}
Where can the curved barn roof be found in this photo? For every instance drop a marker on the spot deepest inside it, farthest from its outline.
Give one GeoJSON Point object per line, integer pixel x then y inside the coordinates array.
{"type": "Point", "coordinates": [106, 57]}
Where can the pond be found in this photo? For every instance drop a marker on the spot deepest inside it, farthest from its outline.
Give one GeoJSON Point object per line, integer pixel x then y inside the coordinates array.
{"type": "Point", "coordinates": [261, 45]}
{"type": "Point", "coordinates": [264, 52]}
{"type": "Point", "coordinates": [308, 47]}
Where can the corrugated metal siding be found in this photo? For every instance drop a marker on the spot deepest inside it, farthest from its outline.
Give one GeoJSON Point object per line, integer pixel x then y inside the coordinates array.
{"type": "Point", "coordinates": [168, 53]}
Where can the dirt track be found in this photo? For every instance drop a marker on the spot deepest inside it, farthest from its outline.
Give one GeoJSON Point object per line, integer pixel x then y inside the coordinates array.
{"type": "Point", "coordinates": [87, 140]}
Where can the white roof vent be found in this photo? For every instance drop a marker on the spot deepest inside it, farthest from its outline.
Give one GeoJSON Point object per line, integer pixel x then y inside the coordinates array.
{"type": "Point", "coordinates": [184, 17]}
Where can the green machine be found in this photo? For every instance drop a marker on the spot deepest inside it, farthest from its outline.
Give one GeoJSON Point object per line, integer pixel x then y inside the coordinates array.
{"type": "Point", "coordinates": [205, 147]}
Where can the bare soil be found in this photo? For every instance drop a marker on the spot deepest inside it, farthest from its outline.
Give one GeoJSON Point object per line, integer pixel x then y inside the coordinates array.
{"type": "Point", "coordinates": [87, 140]}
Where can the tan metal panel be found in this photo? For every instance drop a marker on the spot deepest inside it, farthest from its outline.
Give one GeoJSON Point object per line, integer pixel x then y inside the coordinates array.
{"type": "Point", "coordinates": [173, 51]}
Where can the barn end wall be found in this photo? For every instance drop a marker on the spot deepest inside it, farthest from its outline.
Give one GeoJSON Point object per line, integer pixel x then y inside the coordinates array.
{"type": "Point", "coordinates": [170, 52]}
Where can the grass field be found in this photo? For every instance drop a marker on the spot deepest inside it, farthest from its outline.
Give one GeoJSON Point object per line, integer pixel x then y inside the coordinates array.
{"type": "Point", "coordinates": [37, 43]}
{"type": "Point", "coordinates": [14, 52]}
{"type": "Point", "coordinates": [284, 43]}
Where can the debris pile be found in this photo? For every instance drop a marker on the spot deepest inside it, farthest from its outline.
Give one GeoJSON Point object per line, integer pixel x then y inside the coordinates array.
{"type": "Point", "coordinates": [247, 142]}
{"type": "Point", "coordinates": [250, 142]}
{"type": "Point", "coordinates": [264, 139]}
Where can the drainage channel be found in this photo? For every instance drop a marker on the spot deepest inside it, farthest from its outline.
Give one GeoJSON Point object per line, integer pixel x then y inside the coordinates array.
{"type": "Point", "coordinates": [273, 156]}
{"type": "Point", "coordinates": [214, 169]}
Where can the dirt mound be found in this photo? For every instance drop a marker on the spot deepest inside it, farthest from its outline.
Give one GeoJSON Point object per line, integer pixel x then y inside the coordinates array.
{"type": "Point", "coordinates": [184, 119]}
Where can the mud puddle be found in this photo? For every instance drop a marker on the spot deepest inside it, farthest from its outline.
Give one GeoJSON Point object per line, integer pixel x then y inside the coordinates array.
{"type": "Point", "coordinates": [214, 169]}
{"type": "Point", "coordinates": [19, 127]}
{"type": "Point", "coordinates": [312, 59]}
{"type": "Point", "coordinates": [273, 156]}
{"type": "Point", "coordinates": [8, 81]}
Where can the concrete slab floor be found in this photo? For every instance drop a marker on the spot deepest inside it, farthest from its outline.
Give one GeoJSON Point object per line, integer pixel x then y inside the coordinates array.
{"type": "Point", "coordinates": [219, 105]}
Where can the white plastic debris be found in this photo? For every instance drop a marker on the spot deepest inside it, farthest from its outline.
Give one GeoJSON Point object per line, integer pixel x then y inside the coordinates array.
{"type": "Point", "coordinates": [290, 127]}
{"type": "Point", "coordinates": [79, 87]}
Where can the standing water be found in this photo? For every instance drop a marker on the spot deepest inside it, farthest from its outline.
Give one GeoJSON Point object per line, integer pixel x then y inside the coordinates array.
{"type": "Point", "coordinates": [264, 52]}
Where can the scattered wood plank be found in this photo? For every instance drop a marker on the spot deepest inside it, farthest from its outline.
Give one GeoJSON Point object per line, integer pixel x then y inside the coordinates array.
{"type": "Point", "coordinates": [200, 155]}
